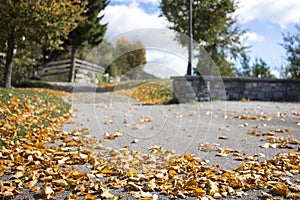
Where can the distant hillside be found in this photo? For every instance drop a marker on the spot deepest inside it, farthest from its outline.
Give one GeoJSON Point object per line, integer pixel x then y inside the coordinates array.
{"type": "Point", "coordinates": [146, 76]}
{"type": "Point", "coordinates": [141, 76]}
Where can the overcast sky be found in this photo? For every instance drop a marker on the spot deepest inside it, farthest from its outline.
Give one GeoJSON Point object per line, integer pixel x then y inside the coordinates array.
{"type": "Point", "coordinates": [264, 20]}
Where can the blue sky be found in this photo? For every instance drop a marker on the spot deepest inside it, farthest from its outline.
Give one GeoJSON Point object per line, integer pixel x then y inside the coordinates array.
{"type": "Point", "coordinates": [264, 21]}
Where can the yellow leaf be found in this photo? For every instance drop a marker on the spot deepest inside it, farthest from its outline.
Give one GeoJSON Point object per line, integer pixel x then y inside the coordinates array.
{"type": "Point", "coordinates": [39, 145]}
{"type": "Point", "coordinates": [70, 143]}
{"type": "Point", "coordinates": [172, 172]}
{"type": "Point", "coordinates": [72, 197]}
{"type": "Point", "coordinates": [280, 189]}
{"type": "Point", "coordinates": [89, 197]}
{"type": "Point", "coordinates": [192, 184]}
{"type": "Point", "coordinates": [188, 157]}
{"type": "Point", "coordinates": [132, 172]}
{"type": "Point", "coordinates": [294, 153]}
{"type": "Point", "coordinates": [34, 189]}
{"type": "Point", "coordinates": [78, 174]}
{"type": "Point", "coordinates": [71, 182]}
{"type": "Point", "coordinates": [226, 174]}
{"type": "Point", "coordinates": [199, 192]}
{"type": "Point", "coordinates": [106, 171]}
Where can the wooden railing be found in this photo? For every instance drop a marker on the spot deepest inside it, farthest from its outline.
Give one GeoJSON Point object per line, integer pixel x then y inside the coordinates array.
{"type": "Point", "coordinates": [63, 66]}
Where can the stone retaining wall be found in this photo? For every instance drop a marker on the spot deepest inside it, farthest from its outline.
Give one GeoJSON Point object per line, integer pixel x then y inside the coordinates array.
{"type": "Point", "coordinates": [194, 88]}
{"type": "Point", "coordinates": [190, 88]}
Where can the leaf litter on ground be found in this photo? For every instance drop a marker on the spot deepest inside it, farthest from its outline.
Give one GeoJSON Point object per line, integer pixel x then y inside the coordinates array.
{"type": "Point", "coordinates": [32, 160]}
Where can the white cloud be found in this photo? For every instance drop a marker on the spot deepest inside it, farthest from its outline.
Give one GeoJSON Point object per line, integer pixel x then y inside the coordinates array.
{"type": "Point", "coordinates": [128, 19]}
{"type": "Point", "coordinates": [123, 18]}
{"type": "Point", "coordinates": [276, 73]}
{"type": "Point", "coordinates": [250, 37]}
{"type": "Point", "coordinates": [166, 63]}
{"type": "Point", "coordinates": [275, 11]}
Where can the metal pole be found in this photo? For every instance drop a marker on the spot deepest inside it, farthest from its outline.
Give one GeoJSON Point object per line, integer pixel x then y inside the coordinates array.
{"type": "Point", "coordinates": [189, 68]}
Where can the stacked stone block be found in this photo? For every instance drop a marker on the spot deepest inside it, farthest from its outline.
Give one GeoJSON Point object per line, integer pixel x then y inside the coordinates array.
{"type": "Point", "coordinates": [197, 88]}
{"type": "Point", "coordinates": [190, 89]}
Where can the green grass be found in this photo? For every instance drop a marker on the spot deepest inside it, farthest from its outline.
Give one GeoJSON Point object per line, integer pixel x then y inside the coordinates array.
{"type": "Point", "coordinates": [36, 103]}
{"type": "Point", "coordinates": [42, 99]}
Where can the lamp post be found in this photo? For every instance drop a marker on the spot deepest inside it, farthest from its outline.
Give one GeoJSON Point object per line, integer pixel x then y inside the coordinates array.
{"type": "Point", "coordinates": [189, 68]}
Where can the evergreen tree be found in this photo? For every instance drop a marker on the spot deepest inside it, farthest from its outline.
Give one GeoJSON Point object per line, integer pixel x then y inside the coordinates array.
{"type": "Point", "coordinates": [245, 71]}
{"type": "Point", "coordinates": [89, 31]}
{"type": "Point", "coordinates": [291, 43]}
{"type": "Point", "coordinates": [258, 69]}
{"type": "Point", "coordinates": [261, 69]}
{"type": "Point", "coordinates": [214, 27]}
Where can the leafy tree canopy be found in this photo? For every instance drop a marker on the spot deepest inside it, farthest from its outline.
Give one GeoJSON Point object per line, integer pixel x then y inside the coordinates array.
{"type": "Point", "coordinates": [215, 28]}
{"type": "Point", "coordinates": [40, 24]}
{"type": "Point", "coordinates": [130, 59]}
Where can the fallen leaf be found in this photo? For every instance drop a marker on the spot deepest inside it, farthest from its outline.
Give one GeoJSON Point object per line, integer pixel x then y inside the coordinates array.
{"type": "Point", "coordinates": [47, 192]}
{"type": "Point", "coordinates": [280, 189]}
{"type": "Point", "coordinates": [109, 122]}
{"type": "Point", "coordinates": [265, 145]}
{"type": "Point", "coordinates": [146, 119]}
{"type": "Point", "coordinates": [136, 127]}
{"type": "Point", "coordinates": [61, 182]}
{"type": "Point", "coordinates": [35, 189]}
{"type": "Point", "coordinates": [261, 155]}
{"type": "Point", "coordinates": [222, 137]}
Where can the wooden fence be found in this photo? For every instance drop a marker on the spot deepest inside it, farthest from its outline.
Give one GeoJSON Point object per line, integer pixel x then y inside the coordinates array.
{"type": "Point", "coordinates": [63, 66]}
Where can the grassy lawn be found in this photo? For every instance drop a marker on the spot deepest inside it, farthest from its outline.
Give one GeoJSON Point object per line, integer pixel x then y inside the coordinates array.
{"type": "Point", "coordinates": [28, 112]}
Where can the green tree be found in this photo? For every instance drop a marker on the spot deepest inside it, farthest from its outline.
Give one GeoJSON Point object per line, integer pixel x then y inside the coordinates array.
{"type": "Point", "coordinates": [131, 58]}
{"type": "Point", "coordinates": [89, 31]}
{"type": "Point", "coordinates": [291, 43]}
{"type": "Point", "coordinates": [102, 54]}
{"type": "Point", "coordinates": [245, 70]}
{"type": "Point", "coordinates": [215, 28]}
{"type": "Point", "coordinates": [25, 24]}
{"type": "Point", "coordinates": [259, 68]}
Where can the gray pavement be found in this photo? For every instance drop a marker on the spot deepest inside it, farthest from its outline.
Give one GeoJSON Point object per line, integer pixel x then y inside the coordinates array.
{"type": "Point", "coordinates": [193, 128]}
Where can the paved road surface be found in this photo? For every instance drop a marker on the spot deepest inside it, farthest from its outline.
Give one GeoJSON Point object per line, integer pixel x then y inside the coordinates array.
{"type": "Point", "coordinates": [180, 127]}
{"type": "Point", "coordinates": [183, 127]}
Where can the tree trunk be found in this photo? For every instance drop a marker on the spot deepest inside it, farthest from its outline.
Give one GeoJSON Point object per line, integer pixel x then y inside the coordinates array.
{"type": "Point", "coordinates": [72, 68]}
{"type": "Point", "coordinates": [8, 63]}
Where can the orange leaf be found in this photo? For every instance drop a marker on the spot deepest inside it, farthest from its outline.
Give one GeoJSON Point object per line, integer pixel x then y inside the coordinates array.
{"type": "Point", "coordinates": [280, 189]}
{"type": "Point", "coordinates": [172, 172]}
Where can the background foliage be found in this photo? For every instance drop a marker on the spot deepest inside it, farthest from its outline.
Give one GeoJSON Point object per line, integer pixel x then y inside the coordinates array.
{"type": "Point", "coordinates": [36, 25]}
{"type": "Point", "coordinates": [130, 59]}
{"type": "Point", "coordinates": [291, 43]}
{"type": "Point", "coordinates": [215, 28]}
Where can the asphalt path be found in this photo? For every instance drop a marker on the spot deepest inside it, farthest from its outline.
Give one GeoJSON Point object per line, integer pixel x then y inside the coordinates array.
{"type": "Point", "coordinates": [193, 128]}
